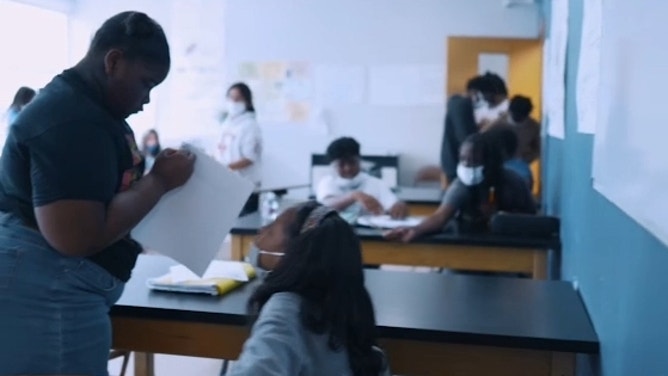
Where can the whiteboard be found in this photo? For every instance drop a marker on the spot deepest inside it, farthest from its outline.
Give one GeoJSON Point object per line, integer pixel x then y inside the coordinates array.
{"type": "Point", "coordinates": [630, 151]}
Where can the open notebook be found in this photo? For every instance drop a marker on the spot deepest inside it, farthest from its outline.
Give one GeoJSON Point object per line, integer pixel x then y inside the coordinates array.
{"type": "Point", "coordinates": [220, 278]}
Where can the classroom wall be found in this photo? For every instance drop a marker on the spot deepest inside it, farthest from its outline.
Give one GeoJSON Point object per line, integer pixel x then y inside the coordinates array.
{"type": "Point", "coordinates": [365, 32]}
{"type": "Point", "coordinates": [619, 267]}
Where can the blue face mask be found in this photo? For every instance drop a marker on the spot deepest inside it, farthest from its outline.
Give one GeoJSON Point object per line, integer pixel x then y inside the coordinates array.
{"type": "Point", "coordinates": [153, 151]}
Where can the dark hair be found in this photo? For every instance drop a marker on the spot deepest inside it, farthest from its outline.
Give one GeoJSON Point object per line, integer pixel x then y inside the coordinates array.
{"type": "Point", "coordinates": [144, 147]}
{"type": "Point", "coordinates": [343, 148]}
{"type": "Point", "coordinates": [489, 145]}
{"type": "Point", "coordinates": [503, 134]}
{"type": "Point", "coordinates": [245, 93]}
{"type": "Point", "coordinates": [136, 34]}
{"type": "Point", "coordinates": [520, 107]}
{"type": "Point", "coordinates": [497, 84]}
{"type": "Point", "coordinates": [22, 97]}
{"type": "Point", "coordinates": [324, 267]}
{"type": "Point", "coordinates": [489, 83]}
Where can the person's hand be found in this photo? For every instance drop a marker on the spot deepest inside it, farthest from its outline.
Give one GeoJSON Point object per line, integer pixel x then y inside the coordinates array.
{"type": "Point", "coordinates": [173, 168]}
{"type": "Point", "coordinates": [399, 210]}
{"type": "Point", "coordinates": [404, 234]}
{"type": "Point", "coordinates": [369, 203]}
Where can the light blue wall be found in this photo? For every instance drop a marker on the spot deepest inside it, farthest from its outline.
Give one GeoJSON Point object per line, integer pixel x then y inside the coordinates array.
{"type": "Point", "coordinates": [621, 269]}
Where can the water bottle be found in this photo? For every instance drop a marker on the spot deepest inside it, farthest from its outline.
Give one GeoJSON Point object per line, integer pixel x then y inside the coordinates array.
{"type": "Point", "coordinates": [269, 206]}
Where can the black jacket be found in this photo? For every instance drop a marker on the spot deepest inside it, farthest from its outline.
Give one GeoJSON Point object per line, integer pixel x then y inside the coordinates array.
{"type": "Point", "coordinates": [459, 124]}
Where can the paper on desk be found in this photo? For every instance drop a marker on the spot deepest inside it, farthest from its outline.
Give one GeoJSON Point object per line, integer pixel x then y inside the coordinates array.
{"type": "Point", "coordinates": [386, 222]}
{"type": "Point", "coordinates": [217, 269]}
{"type": "Point", "coordinates": [190, 223]}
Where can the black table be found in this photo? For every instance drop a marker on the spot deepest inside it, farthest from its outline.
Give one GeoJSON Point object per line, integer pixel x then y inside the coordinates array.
{"type": "Point", "coordinates": [430, 324]}
{"type": "Point", "coordinates": [482, 252]}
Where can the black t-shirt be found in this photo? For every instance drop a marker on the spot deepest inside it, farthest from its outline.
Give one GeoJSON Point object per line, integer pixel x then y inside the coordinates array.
{"type": "Point", "coordinates": [66, 146]}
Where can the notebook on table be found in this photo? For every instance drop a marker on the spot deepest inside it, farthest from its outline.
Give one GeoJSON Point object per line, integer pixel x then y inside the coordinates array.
{"type": "Point", "coordinates": [220, 278]}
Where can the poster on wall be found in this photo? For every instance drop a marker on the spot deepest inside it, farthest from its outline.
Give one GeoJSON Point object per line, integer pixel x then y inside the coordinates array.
{"type": "Point", "coordinates": [283, 91]}
{"type": "Point", "coordinates": [589, 69]}
{"type": "Point", "coordinates": [555, 70]}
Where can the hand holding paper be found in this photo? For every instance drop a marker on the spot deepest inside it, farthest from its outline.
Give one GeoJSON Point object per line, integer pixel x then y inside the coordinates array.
{"type": "Point", "coordinates": [190, 223]}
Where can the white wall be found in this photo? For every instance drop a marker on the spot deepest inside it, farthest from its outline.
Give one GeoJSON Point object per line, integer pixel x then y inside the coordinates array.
{"type": "Point", "coordinates": [367, 32]}
{"type": "Point", "coordinates": [364, 32]}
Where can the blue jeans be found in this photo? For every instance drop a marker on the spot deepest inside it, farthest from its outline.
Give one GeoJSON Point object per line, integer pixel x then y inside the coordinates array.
{"type": "Point", "coordinates": [53, 309]}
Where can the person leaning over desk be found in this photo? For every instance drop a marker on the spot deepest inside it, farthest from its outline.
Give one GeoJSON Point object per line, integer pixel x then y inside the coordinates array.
{"type": "Point", "coordinates": [351, 191]}
{"type": "Point", "coordinates": [71, 190]}
{"type": "Point", "coordinates": [483, 187]}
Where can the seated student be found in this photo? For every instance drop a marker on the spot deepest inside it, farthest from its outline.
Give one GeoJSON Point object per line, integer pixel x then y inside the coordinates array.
{"type": "Point", "coordinates": [351, 191]}
{"type": "Point", "coordinates": [315, 315]}
{"type": "Point", "coordinates": [483, 187]}
{"type": "Point", "coordinates": [527, 128]}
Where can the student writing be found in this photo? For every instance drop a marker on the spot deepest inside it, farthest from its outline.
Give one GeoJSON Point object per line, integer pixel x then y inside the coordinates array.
{"type": "Point", "coordinates": [352, 191]}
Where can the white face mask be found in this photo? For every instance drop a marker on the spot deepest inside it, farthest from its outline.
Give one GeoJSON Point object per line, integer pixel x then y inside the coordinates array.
{"type": "Point", "coordinates": [349, 184]}
{"type": "Point", "coordinates": [470, 175]}
{"type": "Point", "coordinates": [254, 256]}
{"type": "Point", "coordinates": [235, 108]}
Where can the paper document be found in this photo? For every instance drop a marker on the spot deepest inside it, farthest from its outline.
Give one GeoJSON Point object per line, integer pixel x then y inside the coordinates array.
{"type": "Point", "coordinates": [386, 222]}
{"type": "Point", "coordinates": [190, 223]}
{"type": "Point", "coordinates": [217, 269]}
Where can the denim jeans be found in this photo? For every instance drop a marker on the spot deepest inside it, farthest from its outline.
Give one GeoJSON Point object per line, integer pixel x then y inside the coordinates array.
{"type": "Point", "coordinates": [53, 309]}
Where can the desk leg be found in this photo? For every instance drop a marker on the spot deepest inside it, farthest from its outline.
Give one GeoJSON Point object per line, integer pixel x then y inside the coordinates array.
{"type": "Point", "coordinates": [144, 365]}
{"type": "Point", "coordinates": [563, 364]}
{"type": "Point", "coordinates": [237, 248]}
{"type": "Point", "coordinates": [539, 264]}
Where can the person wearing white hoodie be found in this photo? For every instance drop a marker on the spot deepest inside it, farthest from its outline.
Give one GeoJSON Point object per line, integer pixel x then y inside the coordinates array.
{"type": "Point", "coordinates": [240, 146]}
{"type": "Point", "coordinates": [351, 191]}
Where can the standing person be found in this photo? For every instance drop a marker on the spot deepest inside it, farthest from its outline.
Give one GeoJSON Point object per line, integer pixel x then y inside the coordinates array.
{"type": "Point", "coordinates": [71, 190]}
{"type": "Point", "coordinates": [150, 147]}
{"type": "Point", "coordinates": [22, 97]}
{"type": "Point", "coordinates": [459, 124]}
{"type": "Point", "coordinates": [240, 146]}
{"type": "Point", "coordinates": [315, 315]}
{"type": "Point", "coordinates": [490, 96]}
{"type": "Point", "coordinates": [526, 127]}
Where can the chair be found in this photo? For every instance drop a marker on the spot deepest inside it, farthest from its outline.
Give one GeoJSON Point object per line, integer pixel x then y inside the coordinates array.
{"type": "Point", "coordinates": [384, 167]}
{"type": "Point", "coordinates": [429, 176]}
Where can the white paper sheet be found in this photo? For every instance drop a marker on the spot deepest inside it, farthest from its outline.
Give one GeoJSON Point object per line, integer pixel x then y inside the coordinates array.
{"type": "Point", "coordinates": [226, 269]}
{"type": "Point", "coordinates": [340, 84]}
{"type": "Point", "coordinates": [589, 69]}
{"type": "Point", "coordinates": [386, 222]}
{"type": "Point", "coordinates": [407, 85]}
{"type": "Point", "coordinates": [190, 223]}
{"type": "Point", "coordinates": [555, 66]}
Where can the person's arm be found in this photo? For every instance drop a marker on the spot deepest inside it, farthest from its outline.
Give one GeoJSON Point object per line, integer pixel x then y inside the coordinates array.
{"type": "Point", "coordinates": [274, 347]}
{"type": "Point", "coordinates": [76, 208]}
{"type": "Point", "coordinates": [240, 164]}
{"type": "Point", "coordinates": [251, 147]}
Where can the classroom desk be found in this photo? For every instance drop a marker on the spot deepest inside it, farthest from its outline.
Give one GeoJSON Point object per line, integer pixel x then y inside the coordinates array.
{"type": "Point", "coordinates": [493, 253]}
{"type": "Point", "coordinates": [455, 325]}
{"type": "Point", "coordinates": [421, 201]}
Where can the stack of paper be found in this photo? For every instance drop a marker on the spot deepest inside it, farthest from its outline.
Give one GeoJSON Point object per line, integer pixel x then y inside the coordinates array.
{"type": "Point", "coordinates": [219, 278]}
{"type": "Point", "coordinates": [386, 222]}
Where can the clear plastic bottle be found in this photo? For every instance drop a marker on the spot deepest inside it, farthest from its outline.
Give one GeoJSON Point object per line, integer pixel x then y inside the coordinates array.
{"type": "Point", "coordinates": [269, 206]}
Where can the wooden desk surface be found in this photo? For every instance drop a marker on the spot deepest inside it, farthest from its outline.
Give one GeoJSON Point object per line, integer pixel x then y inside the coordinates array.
{"type": "Point", "coordinates": [251, 223]}
{"type": "Point", "coordinates": [487, 311]}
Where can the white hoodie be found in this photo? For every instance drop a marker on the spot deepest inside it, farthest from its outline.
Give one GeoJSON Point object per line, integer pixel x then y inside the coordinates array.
{"type": "Point", "coordinates": [242, 138]}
